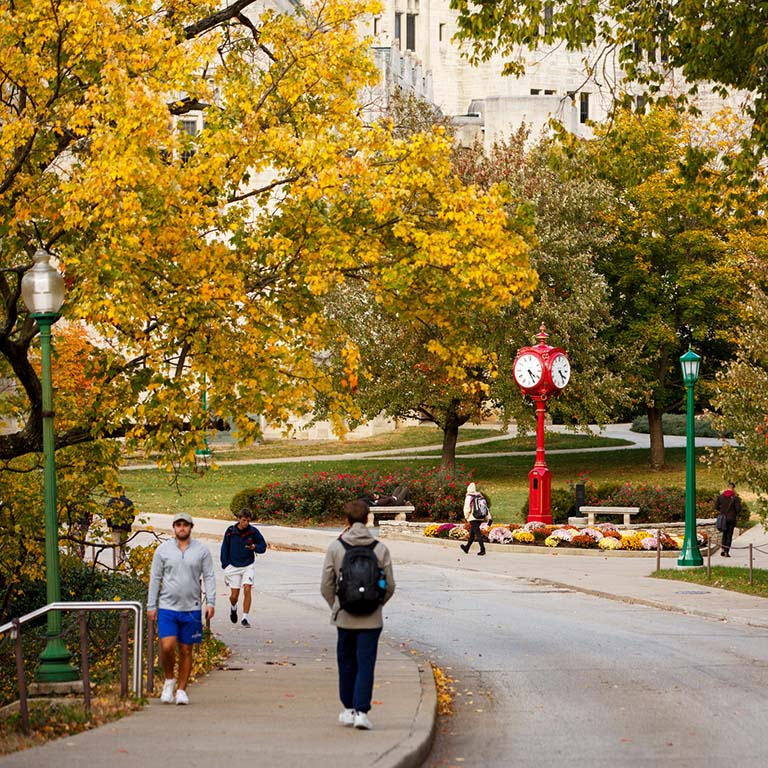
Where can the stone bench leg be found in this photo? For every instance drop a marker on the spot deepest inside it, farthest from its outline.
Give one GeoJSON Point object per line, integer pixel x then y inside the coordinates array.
{"type": "Point", "coordinates": [591, 518]}
{"type": "Point", "coordinates": [370, 522]}
{"type": "Point", "coordinates": [401, 516]}
{"type": "Point", "coordinates": [627, 520]}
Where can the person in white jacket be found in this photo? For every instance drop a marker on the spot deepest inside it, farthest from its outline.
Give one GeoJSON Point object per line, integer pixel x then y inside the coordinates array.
{"type": "Point", "coordinates": [474, 523]}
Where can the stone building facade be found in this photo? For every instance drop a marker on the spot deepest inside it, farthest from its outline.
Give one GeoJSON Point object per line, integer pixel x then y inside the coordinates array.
{"type": "Point", "coordinates": [414, 49]}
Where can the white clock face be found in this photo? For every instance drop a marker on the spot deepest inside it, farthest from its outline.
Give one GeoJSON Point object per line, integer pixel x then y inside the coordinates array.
{"type": "Point", "coordinates": [528, 370]}
{"type": "Point", "coordinates": [561, 371]}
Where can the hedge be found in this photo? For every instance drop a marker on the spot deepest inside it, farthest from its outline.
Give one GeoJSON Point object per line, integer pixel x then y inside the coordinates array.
{"type": "Point", "coordinates": [658, 504]}
{"type": "Point", "coordinates": [320, 497]}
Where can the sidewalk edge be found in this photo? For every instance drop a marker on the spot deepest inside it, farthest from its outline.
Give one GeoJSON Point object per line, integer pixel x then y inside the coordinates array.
{"type": "Point", "coordinates": [413, 751]}
{"type": "Point", "coordinates": [655, 604]}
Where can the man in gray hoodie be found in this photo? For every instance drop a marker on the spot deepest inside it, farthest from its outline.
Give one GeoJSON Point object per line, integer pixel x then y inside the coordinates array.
{"type": "Point", "coordinates": [357, 635]}
{"type": "Point", "coordinates": [175, 602]}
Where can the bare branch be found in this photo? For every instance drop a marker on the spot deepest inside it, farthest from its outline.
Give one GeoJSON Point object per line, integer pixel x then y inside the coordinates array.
{"type": "Point", "coordinates": [214, 20]}
{"type": "Point", "coordinates": [277, 183]}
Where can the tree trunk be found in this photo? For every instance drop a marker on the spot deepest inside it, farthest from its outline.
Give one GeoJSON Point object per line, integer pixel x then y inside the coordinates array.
{"type": "Point", "coordinates": [450, 437]}
{"type": "Point", "coordinates": [657, 438]}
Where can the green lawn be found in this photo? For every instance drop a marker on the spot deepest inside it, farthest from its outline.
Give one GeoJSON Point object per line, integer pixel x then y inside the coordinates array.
{"type": "Point", "coordinates": [224, 447]}
{"type": "Point", "coordinates": [734, 579]}
{"type": "Point", "coordinates": [505, 478]}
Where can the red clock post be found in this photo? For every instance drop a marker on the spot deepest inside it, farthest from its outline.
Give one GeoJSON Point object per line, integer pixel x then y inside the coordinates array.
{"type": "Point", "coordinates": [541, 372]}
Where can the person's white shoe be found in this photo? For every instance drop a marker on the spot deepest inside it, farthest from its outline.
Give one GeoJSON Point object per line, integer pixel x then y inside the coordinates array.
{"type": "Point", "coordinates": [167, 695]}
{"type": "Point", "coordinates": [362, 721]}
{"type": "Point", "coordinates": [181, 697]}
{"type": "Point", "coordinates": [347, 717]}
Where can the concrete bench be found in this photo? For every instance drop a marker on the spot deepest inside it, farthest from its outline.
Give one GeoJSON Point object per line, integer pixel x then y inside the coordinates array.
{"type": "Point", "coordinates": [400, 513]}
{"type": "Point", "coordinates": [592, 511]}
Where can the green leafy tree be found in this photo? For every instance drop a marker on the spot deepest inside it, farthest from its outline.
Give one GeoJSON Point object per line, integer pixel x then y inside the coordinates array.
{"type": "Point", "coordinates": [678, 269]}
{"type": "Point", "coordinates": [741, 398]}
{"type": "Point", "coordinates": [571, 296]}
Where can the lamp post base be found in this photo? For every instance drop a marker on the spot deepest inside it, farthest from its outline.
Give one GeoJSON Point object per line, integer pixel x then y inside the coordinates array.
{"type": "Point", "coordinates": [54, 664]}
{"type": "Point", "coordinates": [690, 558]}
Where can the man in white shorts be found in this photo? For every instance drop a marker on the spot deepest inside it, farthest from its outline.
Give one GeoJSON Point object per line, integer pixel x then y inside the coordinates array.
{"type": "Point", "coordinates": [242, 542]}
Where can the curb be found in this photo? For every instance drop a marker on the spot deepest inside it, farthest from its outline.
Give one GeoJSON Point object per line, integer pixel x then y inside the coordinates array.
{"type": "Point", "coordinates": [536, 550]}
{"type": "Point", "coordinates": [653, 604]}
{"type": "Point", "coordinates": [412, 752]}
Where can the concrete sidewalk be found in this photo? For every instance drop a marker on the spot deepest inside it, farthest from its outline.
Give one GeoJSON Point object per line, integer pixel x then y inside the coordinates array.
{"type": "Point", "coordinates": [273, 702]}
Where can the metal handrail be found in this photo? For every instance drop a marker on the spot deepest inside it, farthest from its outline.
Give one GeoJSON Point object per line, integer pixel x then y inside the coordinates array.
{"type": "Point", "coordinates": [113, 605]}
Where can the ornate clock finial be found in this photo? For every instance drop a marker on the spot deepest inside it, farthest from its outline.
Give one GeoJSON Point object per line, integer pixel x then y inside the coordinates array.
{"type": "Point", "coordinates": [542, 335]}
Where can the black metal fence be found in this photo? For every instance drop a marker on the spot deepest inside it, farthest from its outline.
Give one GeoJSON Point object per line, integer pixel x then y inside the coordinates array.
{"type": "Point", "coordinates": [125, 608]}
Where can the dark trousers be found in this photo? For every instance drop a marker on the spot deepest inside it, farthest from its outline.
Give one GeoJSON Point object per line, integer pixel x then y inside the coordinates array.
{"type": "Point", "coordinates": [728, 534]}
{"type": "Point", "coordinates": [356, 656]}
{"type": "Point", "coordinates": [475, 535]}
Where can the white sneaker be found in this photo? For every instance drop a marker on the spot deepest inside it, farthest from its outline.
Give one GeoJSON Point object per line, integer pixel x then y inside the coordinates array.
{"type": "Point", "coordinates": [181, 697]}
{"type": "Point", "coordinates": [347, 717]}
{"type": "Point", "coordinates": [167, 695]}
{"type": "Point", "coordinates": [362, 721]}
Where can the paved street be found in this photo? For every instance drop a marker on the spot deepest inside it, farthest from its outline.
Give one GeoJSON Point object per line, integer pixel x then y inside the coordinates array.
{"type": "Point", "coordinates": [576, 679]}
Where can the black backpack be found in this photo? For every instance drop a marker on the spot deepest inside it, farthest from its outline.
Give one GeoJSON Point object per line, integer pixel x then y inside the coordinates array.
{"type": "Point", "coordinates": [479, 506]}
{"type": "Point", "coordinates": [361, 584]}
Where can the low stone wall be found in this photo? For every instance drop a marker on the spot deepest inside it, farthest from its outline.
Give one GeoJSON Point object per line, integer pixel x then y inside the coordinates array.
{"type": "Point", "coordinates": [405, 529]}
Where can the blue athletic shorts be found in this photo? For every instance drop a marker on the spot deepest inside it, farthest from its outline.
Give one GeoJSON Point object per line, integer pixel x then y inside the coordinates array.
{"type": "Point", "coordinates": [186, 626]}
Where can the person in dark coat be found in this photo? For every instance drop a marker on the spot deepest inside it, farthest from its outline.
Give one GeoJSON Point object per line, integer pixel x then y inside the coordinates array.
{"type": "Point", "coordinates": [242, 542]}
{"type": "Point", "coordinates": [729, 504]}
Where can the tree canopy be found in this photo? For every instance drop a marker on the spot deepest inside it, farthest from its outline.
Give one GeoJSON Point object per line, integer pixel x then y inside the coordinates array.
{"type": "Point", "coordinates": [403, 375]}
{"type": "Point", "coordinates": [741, 398]}
{"type": "Point", "coordinates": [204, 177]}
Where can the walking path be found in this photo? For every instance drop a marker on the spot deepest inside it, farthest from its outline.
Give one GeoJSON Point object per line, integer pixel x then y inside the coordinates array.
{"type": "Point", "coordinates": [617, 431]}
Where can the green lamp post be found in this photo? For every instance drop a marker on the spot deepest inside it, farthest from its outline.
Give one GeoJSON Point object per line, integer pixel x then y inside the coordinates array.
{"type": "Point", "coordinates": [690, 556]}
{"type": "Point", "coordinates": [42, 289]}
{"type": "Point", "coordinates": [203, 454]}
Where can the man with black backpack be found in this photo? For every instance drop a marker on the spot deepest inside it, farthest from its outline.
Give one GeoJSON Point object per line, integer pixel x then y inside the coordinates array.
{"type": "Point", "coordinates": [357, 580]}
